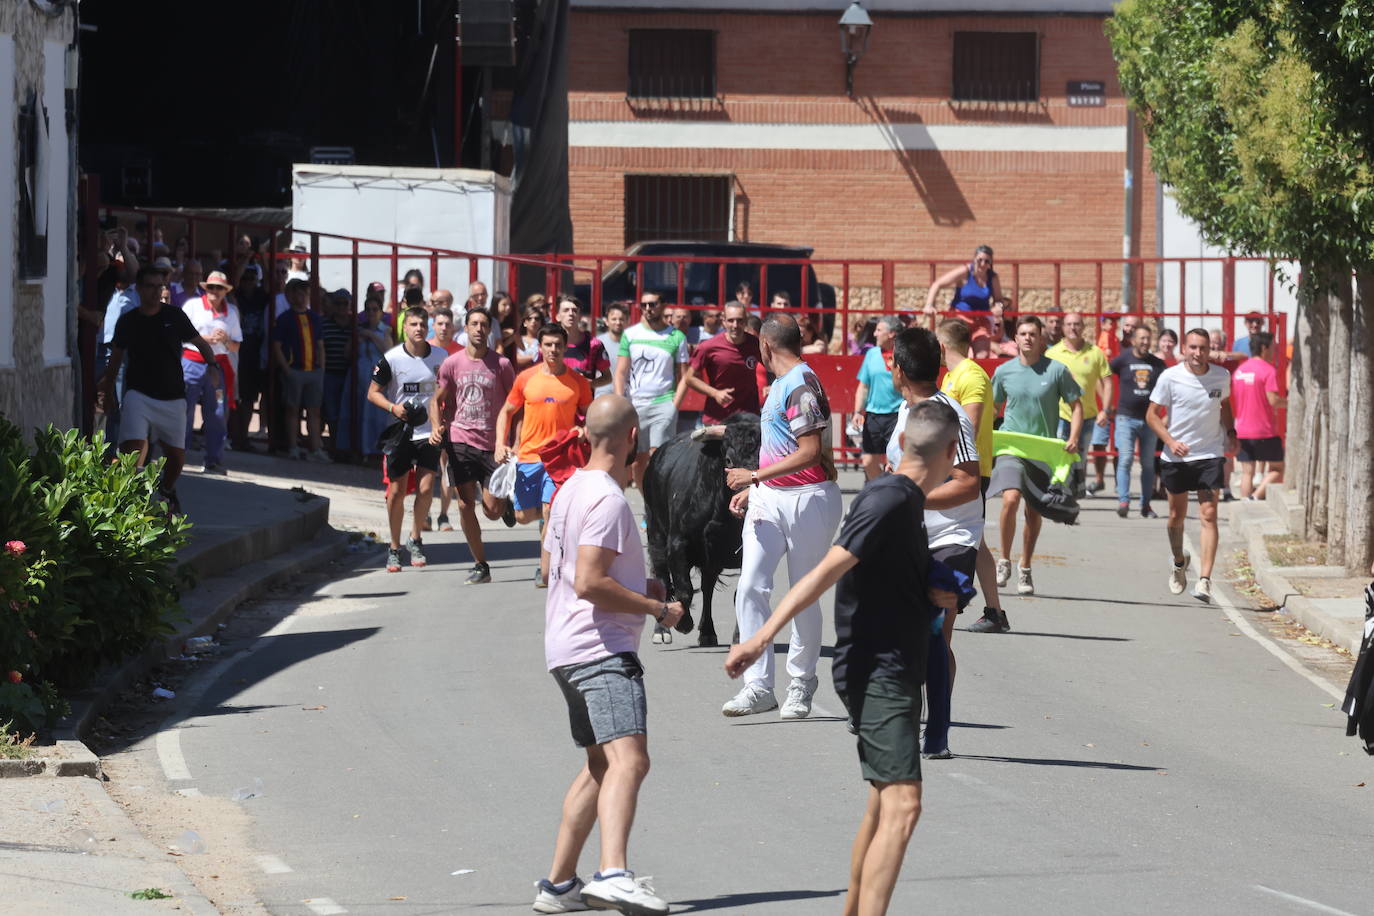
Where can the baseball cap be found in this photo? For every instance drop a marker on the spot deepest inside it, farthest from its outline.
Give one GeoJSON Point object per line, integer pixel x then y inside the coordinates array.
{"type": "Point", "coordinates": [376, 286]}
{"type": "Point", "coordinates": [341, 294]}
{"type": "Point", "coordinates": [163, 264]}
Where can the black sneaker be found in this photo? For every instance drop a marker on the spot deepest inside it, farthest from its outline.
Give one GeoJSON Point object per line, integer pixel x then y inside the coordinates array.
{"type": "Point", "coordinates": [1123, 510]}
{"type": "Point", "coordinates": [445, 524]}
{"type": "Point", "coordinates": [480, 575]}
{"type": "Point", "coordinates": [990, 622]}
{"type": "Point", "coordinates": [1147, 512]}
{"type": "Point", "coordinates": [170, 501]}
{"type": "Point", "coordinates": [509, 515]}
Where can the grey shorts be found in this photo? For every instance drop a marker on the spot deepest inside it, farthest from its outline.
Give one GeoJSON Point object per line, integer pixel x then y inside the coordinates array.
{"type": "Point", "coordinates": [149, 420]}
{"type": "Point", "coordinates": [605, 698]}
{"type": "Point", "coordinates": [657, 424]}
{"type": "Point", "coordinates": [303, 389]}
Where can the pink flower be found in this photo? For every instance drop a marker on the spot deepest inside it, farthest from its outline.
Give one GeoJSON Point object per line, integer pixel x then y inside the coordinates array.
{"type": "Point", "coordinates": [15, 677]}
{"type": "Point", "coordinates": [16, 547]}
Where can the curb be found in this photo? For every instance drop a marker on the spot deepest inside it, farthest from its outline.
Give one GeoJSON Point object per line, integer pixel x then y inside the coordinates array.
{"type": "Point", "coordinates": [1252, 527]}
{"type": "Point", "coordinates": [254, 544]}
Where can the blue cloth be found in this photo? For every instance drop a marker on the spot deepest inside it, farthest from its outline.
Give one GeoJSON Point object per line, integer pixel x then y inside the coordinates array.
{"type": "Point", "coordinates": [533, 486]}
{"type": "Point", "coordinates": [873, 372]}
{"type": "Point", "coordinates": [937, 690]}
{"type": "Point", "coordinates": [374, 419]}
{"type": "Point", "coordinates": [944, 579]}
{"type": "Point", "coordinates": [973, 296]}
{"type": "Point", "coordinates": [199, 392]}
{"type": "Point", "coordinates": [287, 332]}
{"type": "Point", "coordinates": [1129, 431]}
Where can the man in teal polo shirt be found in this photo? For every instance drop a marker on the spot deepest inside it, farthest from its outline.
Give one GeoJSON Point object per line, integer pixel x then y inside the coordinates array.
{"type": "Point", "coordinates": [876, 401]}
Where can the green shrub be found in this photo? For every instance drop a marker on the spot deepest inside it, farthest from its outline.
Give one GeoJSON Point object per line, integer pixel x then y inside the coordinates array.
{"type": "Point", "coordinates": [92, 577]}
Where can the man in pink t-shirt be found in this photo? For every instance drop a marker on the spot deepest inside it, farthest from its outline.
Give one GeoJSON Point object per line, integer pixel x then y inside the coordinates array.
{"type": "Point", "coordinates": [598, 600]}
{"type": "Point", "coordinates": [1254, 396]}
{"type": "Point", "coordinates": [470, 388]}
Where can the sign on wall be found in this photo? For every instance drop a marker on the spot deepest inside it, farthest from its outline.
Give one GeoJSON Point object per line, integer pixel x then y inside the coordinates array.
{"type": "Point", "coordinates": [1086, 93]}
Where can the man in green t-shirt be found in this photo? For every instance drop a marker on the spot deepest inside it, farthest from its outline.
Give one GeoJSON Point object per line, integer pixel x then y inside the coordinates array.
{"type": "Point", "coordinates": [1031, 386]}
{"type": "Point", "coordinates": [653, 355]}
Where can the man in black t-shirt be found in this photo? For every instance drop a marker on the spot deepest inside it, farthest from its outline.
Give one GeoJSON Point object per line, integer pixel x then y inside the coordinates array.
{"type": "Point", "coordinates": [1134, 374]}
{"type": "Point", "coordinates": [154, 406]}
{"type": "Point", "coordinates": [884, 609]}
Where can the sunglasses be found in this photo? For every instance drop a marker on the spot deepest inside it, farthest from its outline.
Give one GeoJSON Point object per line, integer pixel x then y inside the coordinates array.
{"type": "Point", "coordinates": [215, 286]}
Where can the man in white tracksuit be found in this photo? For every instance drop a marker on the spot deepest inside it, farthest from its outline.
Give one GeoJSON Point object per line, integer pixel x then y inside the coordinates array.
{"type": "Point", "coordinates": [791, 505]}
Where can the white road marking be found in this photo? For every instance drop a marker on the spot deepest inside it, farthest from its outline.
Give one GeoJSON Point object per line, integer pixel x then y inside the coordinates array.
{"type": "Point", "coordinates": [271, 865]}
{"type": "Point", "coordinates": [323, 906]}
{"type": "Point", "coordinates": [1240, 623]}
{"type": "Point", "coordinates": [280, 627]}
{"type": "Point", "coordinates": [192, 792]}
{"type": "Point", "coordinates": [1303, 901]}
{"type": "Point", "coordinates": [169, 754]}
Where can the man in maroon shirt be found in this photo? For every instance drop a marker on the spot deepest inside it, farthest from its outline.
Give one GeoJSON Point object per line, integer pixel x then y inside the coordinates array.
{"type": "Point", "coordinates": [725, 369]}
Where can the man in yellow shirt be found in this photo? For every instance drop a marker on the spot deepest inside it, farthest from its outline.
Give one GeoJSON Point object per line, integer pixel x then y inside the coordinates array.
{"type": "Point", "coordinates": [1091, 370]}
{"type": "Point", "coordinates": [967, 383]}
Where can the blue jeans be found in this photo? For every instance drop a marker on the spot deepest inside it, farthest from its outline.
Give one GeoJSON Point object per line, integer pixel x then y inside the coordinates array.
{"type": "Point", "coordinates": [1129, 431]}
{"type": "Point", "coordinates": [1078, 477]}
{"type": "Point", "coordinates": [201, 392]}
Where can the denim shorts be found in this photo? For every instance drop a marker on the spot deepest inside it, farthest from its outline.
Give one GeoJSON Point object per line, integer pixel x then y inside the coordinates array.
{"type": "Point", "coordinates": [533, 487]}
{"type": "Point", "coordinates": [605, 698]}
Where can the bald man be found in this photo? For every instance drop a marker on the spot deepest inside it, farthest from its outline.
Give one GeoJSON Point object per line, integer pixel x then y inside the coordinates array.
{"type": "Point", "coordinates": [477, 295]}
{"type": "Point", "coordinates": [599, 598]}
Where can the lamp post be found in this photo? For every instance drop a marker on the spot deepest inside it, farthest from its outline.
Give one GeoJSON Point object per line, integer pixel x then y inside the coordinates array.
{"type": "Point", "coordinates": [855, 27]}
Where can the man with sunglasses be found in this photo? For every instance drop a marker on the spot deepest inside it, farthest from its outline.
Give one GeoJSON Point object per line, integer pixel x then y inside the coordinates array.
{"type": "Point", "coordinates": [154, 408]}
{"type": "Point", "coordinates": [653, 356]}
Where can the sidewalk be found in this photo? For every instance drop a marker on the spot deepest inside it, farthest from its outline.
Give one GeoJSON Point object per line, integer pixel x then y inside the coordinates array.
{"type": "Point", "coordinates": [1322, 598]}
{"type": "Point", "coordinates": [65, 846]}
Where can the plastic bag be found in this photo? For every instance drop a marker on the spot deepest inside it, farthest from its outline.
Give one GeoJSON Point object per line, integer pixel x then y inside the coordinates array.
{"type": "Point", "coordinates": [501, 484]}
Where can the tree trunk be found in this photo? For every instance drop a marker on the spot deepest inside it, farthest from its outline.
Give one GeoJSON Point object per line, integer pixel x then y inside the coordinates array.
{"type": "Point", "coordinates": [1359, 466]}
{"type": "Point", "coordinates": [1337, 411]}
{"type": "Point", "coordinates": [1308, 454]}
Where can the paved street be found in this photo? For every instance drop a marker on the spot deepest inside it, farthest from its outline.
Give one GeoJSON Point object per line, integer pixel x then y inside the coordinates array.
{"type": "Point", "coordinates": [1122, 751]}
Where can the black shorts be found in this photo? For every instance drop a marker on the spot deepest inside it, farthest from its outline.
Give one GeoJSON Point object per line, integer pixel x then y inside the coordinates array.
{"type": "Point", "coordinates": [960, 559]}
{"type": "Point", "coordinates": [1187, 476]}
{"type": "Point", "coordinates": [419, 453]}
{"type": "Point", "coordinates": [467, 464]}
{"type": "Point", "coordinates": [1270, 449]}
{"type": "Point", "coordinates": [877, 431]}
{"type": "Point", "coordinates": [888, 721]}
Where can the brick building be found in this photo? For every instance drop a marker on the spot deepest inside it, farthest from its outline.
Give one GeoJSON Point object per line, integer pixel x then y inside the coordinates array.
{"type": "Point", "coordinates": [965, 128]}
{"type": "Point", "coordinates": [37, 207]}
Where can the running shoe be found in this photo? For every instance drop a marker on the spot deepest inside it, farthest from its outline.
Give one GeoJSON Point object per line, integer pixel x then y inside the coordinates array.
{"type": "Point", "coordinates": [1123, 509]}
{"type": "Point", "coordinates": [417, 552]}
{"type": "Point", "coordinates": [1227, 496]}
{"type": "Point", "coordinates": [1178, 578]}
{"type": "Point", "coordinates": [1003, 572]}
{"type": "Point", "coordinates": [170, 501]}
{"type": "Point", "coordinates": [938, 755]}
{"type": "Point", "coordinates": [319, 456]}
{"type": "Point", "coordinates": [393, 560]}
{"type": "Point", "coordinates": [1024, 584]}
{"type": "Point", "coordinates": [217, 469]}
{"type": "Point", "coordinates": [990, 622]}
{"type": "Point", "coordinates": [509, 515]}
{"type": "Point", "coordinates": [549, 900]}
{"type": "Point", "coordinates": [480, 575]}
{"type": "Point", "coordinates": [1147, 512]}
{"type": "Point", "coordinates": [662, 635]}
{"type": "Point", "coordinates": [1202, 591]}
{"type": "Point", "coordinates": [797, 705]}
{"type": "Point", "coordinates": [624, 893]}
{"type": "Point", "coordinates": [295, 453]}
{"type": "Point", "coordinates": [445, 524]}
{"type": "Point", "coordinates": [1095, 488]}
{"type": "Point", "coordinates": [752, 699]}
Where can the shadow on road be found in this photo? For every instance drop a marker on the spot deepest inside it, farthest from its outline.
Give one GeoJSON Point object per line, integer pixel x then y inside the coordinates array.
{"type": "Point", "coordinates": [731, 901]}
{"type": "Point", "coordinates": [1052, 762]}
{"type": "Point", "coordinates": [1073, 636]}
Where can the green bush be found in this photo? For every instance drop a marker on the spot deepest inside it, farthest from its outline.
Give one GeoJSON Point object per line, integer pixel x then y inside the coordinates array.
{"type": "Point", "coordinates": [88, 571]}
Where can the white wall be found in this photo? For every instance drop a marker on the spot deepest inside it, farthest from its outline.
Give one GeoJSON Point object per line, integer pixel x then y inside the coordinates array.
{"type": "Point", "coordinates": [454, 209]}
{"type": "Point", "coordinates": [55, 288]}
{"type": "Point", "coordinates": [8, 202]}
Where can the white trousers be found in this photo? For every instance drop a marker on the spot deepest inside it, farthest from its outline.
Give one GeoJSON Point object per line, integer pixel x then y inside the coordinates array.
{"type": "Point", "coordinates": [799, 522]}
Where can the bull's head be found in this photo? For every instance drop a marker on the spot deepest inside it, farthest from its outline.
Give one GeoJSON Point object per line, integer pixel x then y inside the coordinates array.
{"type": "Point", "coordinates": [740, 437]}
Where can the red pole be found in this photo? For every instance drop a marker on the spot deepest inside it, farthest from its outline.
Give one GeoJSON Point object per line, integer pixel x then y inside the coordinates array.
{"type": "Point", "coordinates": [681, 283]}
{"type": "Point", "coordinates": [598, 306]}
{"type": "Point", "coordinates": [513, 281]}
{"type": "Point", "coordinates": [1099, 287]}
{"type": "Point", "coordinates": [844, 303]}
{"type": "Point", "coordinates": [1057, 286]}
{"type": "Point", "coordinates": [1228, 297]}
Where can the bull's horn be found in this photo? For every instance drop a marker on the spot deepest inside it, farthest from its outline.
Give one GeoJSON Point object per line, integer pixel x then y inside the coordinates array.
{"type": "Point", "coordinates": [708, 432]}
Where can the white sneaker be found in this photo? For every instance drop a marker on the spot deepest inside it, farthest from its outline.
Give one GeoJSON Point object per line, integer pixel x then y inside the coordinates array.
{"type": "Point", "coordinates": [625, 894]}
{"type": "Point", "coordinates": [752, 699]}
{"type": "Point", "coordinates": [662, 635]}
{"type": "Point", "coordinates": [1202, 591]}
{"type": "Point", "coordinates": [1178, 577]}
{"type": "Point", "coordinates": [548, 900]}
{"type": "Point", "coordinates": [1024, 585]}
{"type": "Point", "coordinates": [1003, 572]}
{"type": "Point", "coordinates": [798, 702]}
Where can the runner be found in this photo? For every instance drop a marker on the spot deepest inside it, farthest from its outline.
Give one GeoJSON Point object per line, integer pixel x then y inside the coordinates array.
{"type": "Point", "coordinates": [882, 632]}
{"type": "Point", "coordinates": [1255, 391]}
{"type": "Point", "coordinates": [876, 400]}
{"type": "Point", "coordinates": [969, 385]}
{"type": "Point", "coordinates": [791, 505]}
{"type": "Point", "coordinates": [402, 385]}
{"type": "Point", "coordinates": [1031, 386]}
{"type": "Point", "coordinates": [953, 507]}
{"type": "Point", "coordinates": [652, 358]}
{"type": "Point", "coordinates": [1134, 376]}
{"type": "Point", "coordinates": [552, 397]}
{"type": "Point", "coordinates": [599, 597]}
{"type": "Point", "coordinates": [472, 386]}
{"type": "Point", "coordinates": [585, 353]}
{"type": "Point", "coordinates": [1198, 434]}
{"type": "Point", "coordinates": [725, 369]}
{"type": "Point", "coordinates": [1090, 370]}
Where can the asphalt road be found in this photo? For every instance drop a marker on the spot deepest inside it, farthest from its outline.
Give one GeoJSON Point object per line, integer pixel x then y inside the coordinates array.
{"type": "Point", "coordinates": [1122, 751]}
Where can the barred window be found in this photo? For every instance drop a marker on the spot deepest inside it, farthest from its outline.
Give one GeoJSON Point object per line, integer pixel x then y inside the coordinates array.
{"type": "Point", "coordinates": [672, 63]}
{"type": "Point", "coordinates": [996, 66]}
{"type": "Point", "coordinates": [677, 207]}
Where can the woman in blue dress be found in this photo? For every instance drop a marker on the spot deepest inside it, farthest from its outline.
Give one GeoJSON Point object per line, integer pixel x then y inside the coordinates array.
{"type": "Point", "coordinates": [374, 339]}
{"type": "Point", "coordinates": [976, 290]}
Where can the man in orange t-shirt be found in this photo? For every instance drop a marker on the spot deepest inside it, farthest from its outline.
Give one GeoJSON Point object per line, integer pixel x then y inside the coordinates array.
{"type": "Point", "coordinates": [553, 398]}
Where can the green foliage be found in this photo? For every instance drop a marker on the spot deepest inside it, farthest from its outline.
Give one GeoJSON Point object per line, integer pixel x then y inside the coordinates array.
{"type": "Point", "coordinates": [150, 893]}
{"type": "Point", "coordinates": [89, 573]}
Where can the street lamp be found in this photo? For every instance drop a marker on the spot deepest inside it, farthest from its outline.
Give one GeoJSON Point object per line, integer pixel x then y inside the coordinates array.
{"type": "Point", "coordinates": [855, 27]}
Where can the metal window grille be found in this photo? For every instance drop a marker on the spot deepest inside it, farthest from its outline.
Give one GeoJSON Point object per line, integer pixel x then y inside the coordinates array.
{"type": "Point", "coordinates": [996, 66]}
{"type": "Point", "coordinates": [672, 64]}
{"type": "Point", "coordinates": [677, 207]}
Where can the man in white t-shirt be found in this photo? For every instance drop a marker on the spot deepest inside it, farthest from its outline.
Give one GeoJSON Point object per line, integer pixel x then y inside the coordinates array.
{"type": "Point", "coordinates": [652, 357]}
{"type": "Point", "coordinates": [1199, 433]}
{"type": "Point", "coordinates": [599, 598]}
{"type": "Point", "coordinates": [953, 510]}
{"type": "Point", "coordinates": [217, 321]}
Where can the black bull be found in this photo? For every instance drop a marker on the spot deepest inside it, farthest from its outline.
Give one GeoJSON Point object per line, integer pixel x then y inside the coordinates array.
{"type": "Point", "coordinates": [687, 512]}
